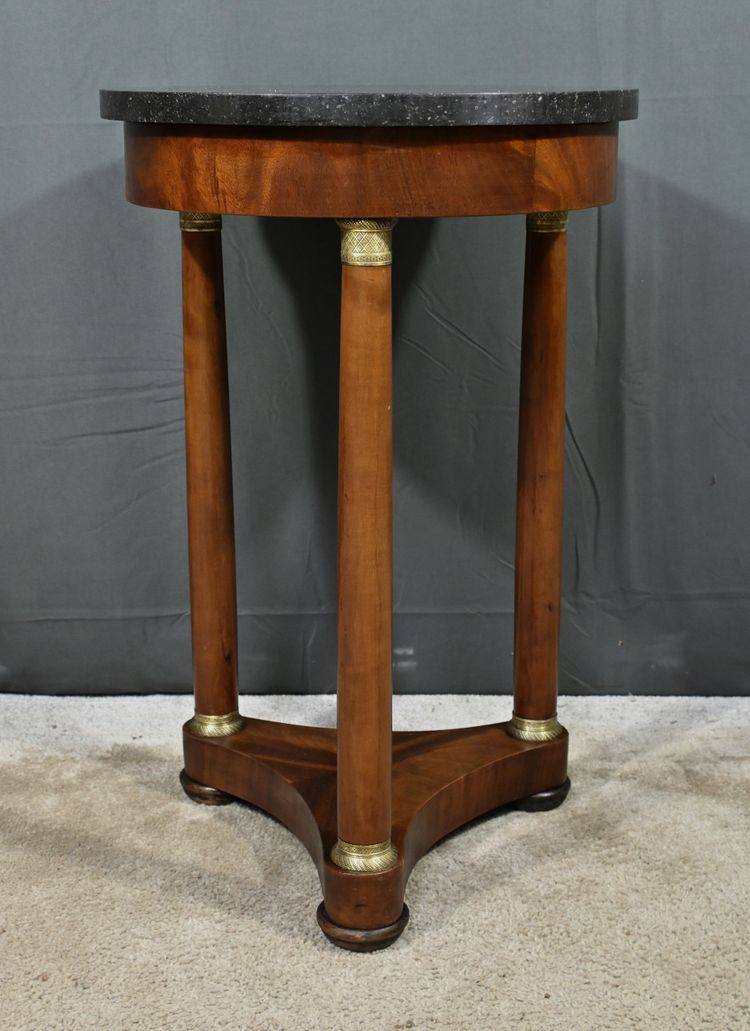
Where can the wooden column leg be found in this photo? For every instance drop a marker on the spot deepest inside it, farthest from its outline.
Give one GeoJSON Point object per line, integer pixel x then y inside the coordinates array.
{"type": "Point", "coordinates": [213, 604]}
{"type": "Point", "coordinates": [364, 550]}
{"type": "Point", "coordinates": [539, 511]}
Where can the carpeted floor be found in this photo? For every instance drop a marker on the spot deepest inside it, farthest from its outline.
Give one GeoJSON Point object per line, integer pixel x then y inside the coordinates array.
{"type": "Point", "coordinates": [124, 905]}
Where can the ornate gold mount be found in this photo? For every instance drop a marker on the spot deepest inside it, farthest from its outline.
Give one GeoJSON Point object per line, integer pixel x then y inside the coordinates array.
{"type": "Point", "coordinates": [199, 222]}
{"type": "Point", "coordinates": [364, 858]}
{"type": "Point", "coordinates": [547, 222]}
{"type": "Point", "coordinates": [366, 241]}
{"type": "Point", "coordinates": [535, 730]}
{"type": "Point", "coordinates": [216, 726]}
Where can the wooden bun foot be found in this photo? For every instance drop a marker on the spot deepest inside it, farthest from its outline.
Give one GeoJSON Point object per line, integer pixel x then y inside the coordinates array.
{"type": "Point", "coordinates": [202, 792]}
{"type": "Point", "coordinates": [359, 940]}
{"type": "Point", "coordinates": [543, 801]}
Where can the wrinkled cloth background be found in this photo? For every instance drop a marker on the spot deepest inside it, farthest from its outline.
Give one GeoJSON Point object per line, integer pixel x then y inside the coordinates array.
{"type": "Point", "coordinates": [93, 580]}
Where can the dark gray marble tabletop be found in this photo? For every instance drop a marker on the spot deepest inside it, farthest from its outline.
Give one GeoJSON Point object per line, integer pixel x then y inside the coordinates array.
{"type": "Point", "coordinates": [368, 107]}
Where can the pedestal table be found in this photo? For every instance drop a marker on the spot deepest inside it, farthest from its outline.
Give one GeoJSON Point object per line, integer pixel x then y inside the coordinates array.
{"type": "Point", "coordinates": [365, 801]}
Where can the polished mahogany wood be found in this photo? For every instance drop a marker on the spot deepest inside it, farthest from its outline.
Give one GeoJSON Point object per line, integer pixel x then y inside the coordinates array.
{"type": "Point", "coordinates": [203, 793]}
{"type": "Point", "coordinates": [213, 605]}
{"type": "Point", "coordinates": [370, 173]}
{"type": "Point", "coordinates": [361, 782]}
{"type": "Point", "coordinates": [541, 459]}
{"type": "Point", "coordinates": [544, 801]}
{"type": "Point", "coordinates": [365, 557]}
{"type": "Point", "coordinates": [441, 780]}
{"type": "Point", "coordinates": [356, 940]}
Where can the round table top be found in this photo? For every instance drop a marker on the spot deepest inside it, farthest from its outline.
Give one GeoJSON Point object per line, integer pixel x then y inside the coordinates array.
{"type": "Point", "coordinates": [368, 107]}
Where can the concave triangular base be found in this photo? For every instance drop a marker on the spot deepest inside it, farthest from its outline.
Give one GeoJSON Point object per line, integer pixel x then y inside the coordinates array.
{"type": "Point", "coordinates": [442, 779]}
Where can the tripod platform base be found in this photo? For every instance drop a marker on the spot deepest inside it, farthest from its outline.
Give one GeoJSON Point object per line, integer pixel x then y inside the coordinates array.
{"type": "Point", "coordinates": [442, 779]}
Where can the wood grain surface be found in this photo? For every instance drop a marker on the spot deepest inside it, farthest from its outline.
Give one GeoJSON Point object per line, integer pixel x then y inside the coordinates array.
{"type": "Point", "coordinates": [365, 556]}
{"type": "Point", "coordinates": [541, 460]}
{"type": "Point", "coordinates": [441, 780]}
{"type": "Point", "coordinates": [369, 173]}
{"type": "Point", "coordinates": [213, 605]}
{"type": "Point", "coordinates": [361, 782]}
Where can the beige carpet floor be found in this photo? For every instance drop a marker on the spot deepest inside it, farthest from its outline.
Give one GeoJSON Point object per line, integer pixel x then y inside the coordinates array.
{"type": "Point", "coordinates": [124, 905]}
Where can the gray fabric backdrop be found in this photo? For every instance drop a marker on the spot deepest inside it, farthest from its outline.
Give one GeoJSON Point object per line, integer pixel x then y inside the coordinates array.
{"type": "Point", "coordinates": [93, 586]}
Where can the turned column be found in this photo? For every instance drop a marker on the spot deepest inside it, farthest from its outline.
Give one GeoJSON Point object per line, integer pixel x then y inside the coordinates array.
{"type": "Point", "coordinates": [365, 550]}
{"type": "Point", "coordinates": [213, 603]}
{"type": "Point", "coordinates": [539, 500]}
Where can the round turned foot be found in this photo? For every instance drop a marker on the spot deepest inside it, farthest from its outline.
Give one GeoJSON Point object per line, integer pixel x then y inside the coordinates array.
{"type": "Point", "coordinates": [543, 801]}
{"type": "Point", "coordinates": [358, 940]}
{"type": "Point", "coordinates": [202, 792]}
